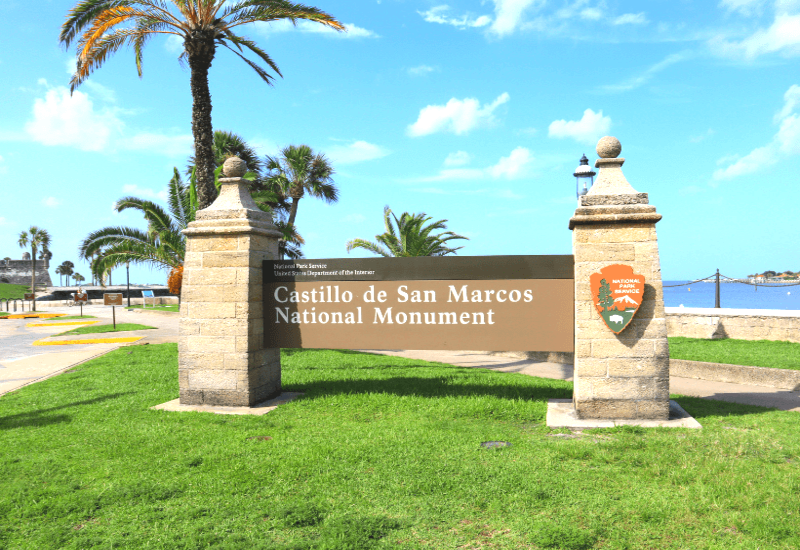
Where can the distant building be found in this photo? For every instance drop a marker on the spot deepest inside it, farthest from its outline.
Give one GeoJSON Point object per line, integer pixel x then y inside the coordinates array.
{"type": "Point", "coordinates": [18, 272]}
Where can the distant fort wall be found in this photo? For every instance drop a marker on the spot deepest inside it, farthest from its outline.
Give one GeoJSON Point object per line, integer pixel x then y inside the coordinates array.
{"type": "Point", "coordinates": [18, 272]}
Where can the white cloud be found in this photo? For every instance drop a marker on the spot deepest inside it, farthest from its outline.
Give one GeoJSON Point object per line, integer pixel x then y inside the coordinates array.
{"type": "Point", "coordinates": [421, 70]}
{"type": "Point", "coordinates": [459, 158]}
{"type": "Point", "coordinates": [174, 44]}
{"type": "Point", "coordinates": [50, 202]}
{"type": "Point", "coordinates": [137, 191]}
{"type": "Point", "coordinates": [512, 166]}
{"type": "Point", "coordinates": [508, 15]}
{"type": "Point", "coordinates": [702, 137]}
{"type": "Point", "coordinates": [358, 151]}
{"type": "Point", "coordinates": [630, 19]}
{"type": "Point", "coordinates": [785, 143]}
{"type": "Point", "coordinates": [439, 14]}
{"type": "Point", "coordinates": [516, 165]}
{"type": "Point", "coordinates": [591, 14]}
{"type": "Point", "coordinates": [745, 7]}
{"type": "Point", "coordinates": [782, 37]}
{"type": "Point", "coordinates": [4, 221]}
{"type": "Point", "coordinates": [458, 116]}
{"type": "Point", "coordinates": [353, 31]}
{"type": "Point", "coordinates": [591, 127]}
{"type": "Point", "coordinates": [646, 76]}
{"type": "Point", "coordinates": [61, 119]}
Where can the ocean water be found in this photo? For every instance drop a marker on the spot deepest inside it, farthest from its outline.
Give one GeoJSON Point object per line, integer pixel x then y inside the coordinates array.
{"type": "Point", "coordinates": [732, 295]}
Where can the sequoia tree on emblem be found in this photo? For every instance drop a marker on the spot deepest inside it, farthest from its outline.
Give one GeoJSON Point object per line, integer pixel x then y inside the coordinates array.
{"type": "Point", "coordinates": [617, 294]}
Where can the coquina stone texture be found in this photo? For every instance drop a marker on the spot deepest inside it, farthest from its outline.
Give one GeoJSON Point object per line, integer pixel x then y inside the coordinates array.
{"type": "Point", "coordinates": [626, 375]}
{"type": "Point", "coordinates": [18, 272]}
{"type": "Point", "coordinates": [221, 356]}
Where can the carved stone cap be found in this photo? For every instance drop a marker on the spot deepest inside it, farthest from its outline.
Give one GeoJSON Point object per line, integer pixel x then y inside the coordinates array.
{"type": "Point", "coordinates": [611, 180]}
{"type": "Point", "coordinates": [234, 201]}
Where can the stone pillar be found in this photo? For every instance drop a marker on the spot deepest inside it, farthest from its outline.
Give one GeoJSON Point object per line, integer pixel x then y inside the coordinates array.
{"type": "Point", "coordinates": [625, 375]}
{"type": "Point", "coordinates": [221, 355]}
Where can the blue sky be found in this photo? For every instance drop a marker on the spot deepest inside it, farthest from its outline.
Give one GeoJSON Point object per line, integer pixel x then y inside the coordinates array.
{"type": "Point", "coordinates": [472, 111]}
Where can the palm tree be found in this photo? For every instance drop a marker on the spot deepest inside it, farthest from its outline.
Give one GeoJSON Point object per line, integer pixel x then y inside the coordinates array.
{"type": "Point", "coordinates": [78, 278]}
{"type": "Point", "coordinates": [298, 170]}
{"type": "Point", "coordinates": [67, 268]}
{"type": "Point", "coordinates": [37, 239]}
{"type": "Point", "coordinates": [203, 25]}
{"type": "Point", "coordinates": [163, 245]}
{"type": "Point", "coordinates": [412, 237]}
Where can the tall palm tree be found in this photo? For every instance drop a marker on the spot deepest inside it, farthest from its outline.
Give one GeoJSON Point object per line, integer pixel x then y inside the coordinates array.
{"type": "Point", "coordinates": [163, 245]}
{"type": "Point", "coordinates": [203, 25]}
{"type": "Point", "coordinates": [411, 238]}
{"type": "Point", "coordinates": [60, 273]}
{"type": "Point", "coordinates": [37, 239]}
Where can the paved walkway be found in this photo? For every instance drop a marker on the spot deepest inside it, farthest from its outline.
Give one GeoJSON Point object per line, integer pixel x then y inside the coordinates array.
{"type": "Point", "coordinates": [21, 363]}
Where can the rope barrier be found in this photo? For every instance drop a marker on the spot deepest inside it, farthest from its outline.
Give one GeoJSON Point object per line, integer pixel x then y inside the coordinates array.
{"type": "Point", "coordinates": [691, 282]}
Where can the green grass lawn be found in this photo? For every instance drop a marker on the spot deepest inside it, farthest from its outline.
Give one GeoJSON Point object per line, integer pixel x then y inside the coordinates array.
{"type": "Point", "coordinates": [3, 313]}
{"type": "Point", "coordinates": [381, 452]}
{"type": "Point", "coordinates": [13, 292]}
{"type": "Point", "coordinates": [98, 329]}
{"type": "Point", "coordinates": [171, 307]}
{"type": "Point", "coordinates": [755, 353]}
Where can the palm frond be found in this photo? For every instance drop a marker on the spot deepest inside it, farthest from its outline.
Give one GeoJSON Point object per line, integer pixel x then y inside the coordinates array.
{"type": "Point", "coordinates": [84, 14]}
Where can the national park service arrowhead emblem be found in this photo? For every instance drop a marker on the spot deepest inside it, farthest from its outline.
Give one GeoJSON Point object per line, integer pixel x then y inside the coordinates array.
{"type": "Point", "coordinates": [617, 294]}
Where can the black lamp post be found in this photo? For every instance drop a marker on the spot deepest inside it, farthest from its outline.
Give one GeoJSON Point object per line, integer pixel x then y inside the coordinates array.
{"type": "Point", "coordinates": [583, 176]}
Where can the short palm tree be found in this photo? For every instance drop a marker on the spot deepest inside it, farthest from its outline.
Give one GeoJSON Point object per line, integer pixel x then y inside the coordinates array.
{"type": "Point", "coordinates": [163, 245]}
{"type": "Point", "coordinates": [37, 239]}
{"type": "Point", "coordinates": [295, 172]}
{"type": "Point", "coordinates": [107, 25]}
{"type": "Point", "coordinates": [67, 268]}
{"type": "Point", "coordinates": [411, 238]}
{"type": "Point", "coordinates": [78, 278]}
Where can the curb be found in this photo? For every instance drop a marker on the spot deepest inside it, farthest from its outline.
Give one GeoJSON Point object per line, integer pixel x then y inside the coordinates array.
{"type": "Point", "coordinates": [736, 374]}
{"type": "Point", "coordinates": [154, 312]}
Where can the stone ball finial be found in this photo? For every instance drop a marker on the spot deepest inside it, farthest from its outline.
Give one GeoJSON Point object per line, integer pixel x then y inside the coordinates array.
{"type": "Point", "coordinates": [234, 167]}
{"type": "Point", "coordinates": [609, 147]}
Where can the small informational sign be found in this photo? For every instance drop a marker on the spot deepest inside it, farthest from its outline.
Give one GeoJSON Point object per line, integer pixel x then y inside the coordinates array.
{"type": "Point", "coordinates": [148, 294]}
{"type": "Point", "coordinates": [617, 293]}
{"type": "Point", "coordinates": [29, 296]}
{"type": "Point", "coordinates": [491, 303]}
{"type": "Point", "coordinates": [81, 297]}
{"type": "Point", "coordinates": [112, 299]}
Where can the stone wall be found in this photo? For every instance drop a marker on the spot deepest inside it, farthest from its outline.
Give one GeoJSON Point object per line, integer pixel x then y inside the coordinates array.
{"type": "Point", "coordinates": [18, 272]}
{"type": "Point", "coordinates": [709, 323]}
{"type": "Point", "coordinates": [741, 324]}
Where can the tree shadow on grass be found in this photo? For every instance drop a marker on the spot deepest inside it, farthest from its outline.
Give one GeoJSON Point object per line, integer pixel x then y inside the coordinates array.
{"type": "Point", "coordinates": [40, 417]}
{"type": "Point", "coordinates": [701, 407]}
{"type": "Point", "coordinates": [414, 386]}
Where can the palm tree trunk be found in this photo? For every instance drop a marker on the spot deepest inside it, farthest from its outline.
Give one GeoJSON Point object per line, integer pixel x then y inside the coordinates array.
{"type": "Point", "coordinates": [200, 50]}
{"type": "Point", "coordinates": [293, 211]}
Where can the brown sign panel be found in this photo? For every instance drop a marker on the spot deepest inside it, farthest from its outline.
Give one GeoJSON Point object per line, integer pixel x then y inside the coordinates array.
{"type": "Point", "coordinates": [420, 268]}
{"type": "Point", "coordinates": [112, 299]}
{"type": "Point", "coordinates": [81, 297]}
{"type": "Point", "coordinates": [492, 314]}
{"type": "Point", "coordinates": [617, 294]}
{"type": "Point", "coordinates": [29, 296]}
